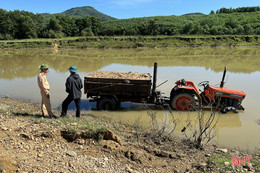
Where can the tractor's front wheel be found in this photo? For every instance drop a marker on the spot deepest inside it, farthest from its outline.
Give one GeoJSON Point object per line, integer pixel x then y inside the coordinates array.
{"type": "Point", "coordinates": [183, 102]}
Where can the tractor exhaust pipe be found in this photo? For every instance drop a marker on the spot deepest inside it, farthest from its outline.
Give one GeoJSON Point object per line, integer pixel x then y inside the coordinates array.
{"type": "Point", "coordinates": [153, 98]}
{"type": "Point", "coordinates": [154, 77]}
{"type": "Point", "coordinates": [223, 78]}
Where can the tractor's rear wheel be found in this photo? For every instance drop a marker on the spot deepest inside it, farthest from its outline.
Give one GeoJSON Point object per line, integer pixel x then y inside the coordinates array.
{"type": "Point", "coordinates": [106, 104]}
{"type": "Point", "coordinates": [183, 102]}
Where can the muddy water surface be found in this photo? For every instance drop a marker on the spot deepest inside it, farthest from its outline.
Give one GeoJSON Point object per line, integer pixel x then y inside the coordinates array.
{"type": "Point", "coordinates": [19, 69]}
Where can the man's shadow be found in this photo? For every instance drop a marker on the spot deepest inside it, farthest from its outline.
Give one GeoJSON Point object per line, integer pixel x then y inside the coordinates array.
{"type": "Point", "coordinates": [85, 105]}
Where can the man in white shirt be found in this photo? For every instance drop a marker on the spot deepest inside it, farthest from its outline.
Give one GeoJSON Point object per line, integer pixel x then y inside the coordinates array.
{"type": "Point", "coordinates": [45, 92]}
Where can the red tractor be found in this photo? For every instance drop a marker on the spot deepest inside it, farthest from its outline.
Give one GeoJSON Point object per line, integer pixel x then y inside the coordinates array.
{"type": "Point", "coordinates": [185, 96]}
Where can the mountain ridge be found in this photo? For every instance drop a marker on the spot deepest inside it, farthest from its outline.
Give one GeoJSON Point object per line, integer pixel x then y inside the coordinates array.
{"type": "Point", "coordinates": [80, 12]}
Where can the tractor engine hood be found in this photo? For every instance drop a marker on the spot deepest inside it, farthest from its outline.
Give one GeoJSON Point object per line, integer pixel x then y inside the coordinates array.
{"type": "Point", "coordinates": [225, 92]}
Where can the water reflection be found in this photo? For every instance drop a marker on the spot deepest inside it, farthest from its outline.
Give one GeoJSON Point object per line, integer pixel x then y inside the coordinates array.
{"type": "Point", "coordinates": [25, 63]}
{"type": "Point", "coordinates": [19, 69]}
{"type": "Point", "coordinates": [229, 120]}
{"type": "Point", "coordinates": [228, 128]}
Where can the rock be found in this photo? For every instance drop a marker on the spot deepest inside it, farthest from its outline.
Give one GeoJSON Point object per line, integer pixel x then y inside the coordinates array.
{"type": "Point", "coordinates": [187, 170]}
{"type": "Point", "coordinates": [105, 159]}
{"type": "Point", "coordinates": [80, 147]}
{"type": "Point", "coordinates": [74, 124]}
{"type": "Point", "coordinates": [24, 136]}
{"type": "Point", "coordinates": [80, 141]}
{"type": "Point", "coordinates": [46, 134]}
{"type": "Point", "coordinates": [69, 136]}
{"type": "Point", "coordinates": [128, 169]}
{"type": "Point", "coordinates": [71, 153]}
{"type": "Point", "coordinates": [234, 151]}
{"type": "Point", "coordinates": [248, 167]}
{"type": "Point", "coordinates": [70, 164]}
{"type": "Point", "coordinates": [7, 139]}
{"type": "Point", "coordinates": [109, 135]}
{"type": "Point", "coordinates": [40, 155]}
{"type": "Point", "coordinates": [134, 155]}
{"type": "Point", "coordinates": [176, 171]}
{"type": "Point", "coordinates": [203, 164]}
{"type": "Point", "coordinates": [208, 155]}
{"type": "Point", "coordinates": [222, 150]}
{"type": "Point", "coordinates": [226, 163]}
{"type": "Point", "coordinates": [4, 128]}
{"type": "Point", "coordinates": [166, 154]}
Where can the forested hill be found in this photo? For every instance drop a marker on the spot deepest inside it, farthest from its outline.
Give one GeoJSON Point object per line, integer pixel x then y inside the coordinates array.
{"type": "Point", "coordinates": [80, 12]}
{"type": "Point", "coordinates": [87, 11]}
{"type": "Point", "coordinates": [22, 24]}
{"type": "Point", "coordinates": [235, 23]}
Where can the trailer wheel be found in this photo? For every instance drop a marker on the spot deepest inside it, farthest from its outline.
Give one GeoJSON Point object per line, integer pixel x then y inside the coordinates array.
{"type": "Point", "coordinates": [106, 104]}
{"type": "Point", "coordinates": [183, 102]}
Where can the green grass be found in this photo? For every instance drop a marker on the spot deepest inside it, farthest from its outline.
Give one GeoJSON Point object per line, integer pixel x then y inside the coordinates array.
{"type": "Point", "coordinates": [2, 111]}
{"type": "Point", "coordinates": [218, 163]}
{"type": "Point", "coordinates": [78, 124]}
{"type": "Point", "coordinates": [135, 41]}
{"type": "Point", "coordinates": [70, 124]}
{"type": "Point", "coordinates": [256, 164]}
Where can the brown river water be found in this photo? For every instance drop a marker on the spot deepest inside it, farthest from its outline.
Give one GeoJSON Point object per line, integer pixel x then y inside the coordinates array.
{"type": "Point", "coordinates": [19, 69]}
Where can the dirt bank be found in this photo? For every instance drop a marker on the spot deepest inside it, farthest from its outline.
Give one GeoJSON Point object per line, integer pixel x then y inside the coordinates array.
{"type": "Point", "coordinates": [30, 143]}
{"type": "Point", "coordinates": [119, 42]}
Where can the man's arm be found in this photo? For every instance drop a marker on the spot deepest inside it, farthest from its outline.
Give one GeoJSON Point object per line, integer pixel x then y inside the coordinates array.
{"type": "Point", "coordinates": [68, 86]}
{"type": "Point", "coordinates": [41, 85]}
{"type": "Point", "coordinates": [81, 86]}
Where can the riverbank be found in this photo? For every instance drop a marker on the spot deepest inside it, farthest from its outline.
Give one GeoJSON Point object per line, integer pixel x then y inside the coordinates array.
{"type": "Point", "coordinates": [134, 42]}
{"type": "Point", "coordinates": [93, 143]}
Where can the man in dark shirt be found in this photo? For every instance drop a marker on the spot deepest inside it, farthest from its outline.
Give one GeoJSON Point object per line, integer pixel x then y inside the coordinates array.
{"type": "Point", "coordinates": [73, 88]}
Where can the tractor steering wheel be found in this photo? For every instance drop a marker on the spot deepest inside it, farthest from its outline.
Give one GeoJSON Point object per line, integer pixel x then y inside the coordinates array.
{"type": "Point", "coordinates": [204, 83]}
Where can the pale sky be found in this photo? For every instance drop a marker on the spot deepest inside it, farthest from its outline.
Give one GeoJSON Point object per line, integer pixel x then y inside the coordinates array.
{"type": "Point", "coordinates": [123, 9]}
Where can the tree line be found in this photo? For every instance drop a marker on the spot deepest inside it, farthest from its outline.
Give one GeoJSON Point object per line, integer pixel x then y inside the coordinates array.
{"type": "Point", "coordinates": [22, 25]}
{"type": "Point", "coordinates": [238, 10]}
{"type": "Point", "coordinates": [212, 24]}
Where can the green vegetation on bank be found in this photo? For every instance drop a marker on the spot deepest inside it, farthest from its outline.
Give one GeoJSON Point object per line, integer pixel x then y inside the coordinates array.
{"type": "Point", "coordinates": [73, 126]}
{"type": "Point", "coordinates": [223, 164]}
{"type": "Point", "coordinates": [135, 42]}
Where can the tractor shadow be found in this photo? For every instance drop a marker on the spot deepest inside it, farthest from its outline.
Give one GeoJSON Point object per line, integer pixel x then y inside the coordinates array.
{"type": "Point", "coordinates": [86, 105]}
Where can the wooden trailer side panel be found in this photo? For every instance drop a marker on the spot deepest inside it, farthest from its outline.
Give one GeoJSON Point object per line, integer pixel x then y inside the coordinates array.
{"type": "Point", "coordinates": [122, 88]}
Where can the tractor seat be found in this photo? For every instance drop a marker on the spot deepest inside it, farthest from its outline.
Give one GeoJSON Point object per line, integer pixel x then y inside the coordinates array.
{"type": "Point", "coordinates": [182, 82]}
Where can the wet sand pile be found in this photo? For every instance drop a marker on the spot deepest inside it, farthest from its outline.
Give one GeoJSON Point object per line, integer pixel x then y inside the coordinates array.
{"type": "Point", "coordinates": [120, 75]}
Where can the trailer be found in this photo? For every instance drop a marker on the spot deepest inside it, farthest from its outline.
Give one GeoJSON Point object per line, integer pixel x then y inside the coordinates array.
{"type": "Point", "coordinates": [109, 89]}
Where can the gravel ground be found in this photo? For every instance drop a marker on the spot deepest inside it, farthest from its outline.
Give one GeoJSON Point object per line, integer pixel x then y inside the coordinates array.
{"type": "Point", "coordinates": [30, 143]}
